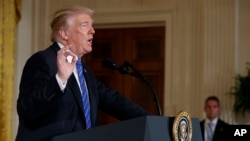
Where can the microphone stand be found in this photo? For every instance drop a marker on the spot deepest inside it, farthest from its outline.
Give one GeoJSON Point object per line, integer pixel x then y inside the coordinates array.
{"type": "Point", "coordinates": [124, 70]}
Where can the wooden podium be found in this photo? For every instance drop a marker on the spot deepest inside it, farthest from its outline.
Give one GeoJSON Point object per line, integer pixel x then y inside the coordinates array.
{"type": "Point", "coordinates": [148, 128]}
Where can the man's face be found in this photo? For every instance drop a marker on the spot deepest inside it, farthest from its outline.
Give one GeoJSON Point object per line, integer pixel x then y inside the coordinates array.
{"type": "Point", "coordinates": [212, 109]}
{"type": "Point", "coordinates": [80, 34]}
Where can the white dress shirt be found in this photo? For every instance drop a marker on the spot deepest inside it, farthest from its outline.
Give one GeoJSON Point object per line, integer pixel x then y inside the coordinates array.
{"type": "Point", "coordinates": [207, 121]}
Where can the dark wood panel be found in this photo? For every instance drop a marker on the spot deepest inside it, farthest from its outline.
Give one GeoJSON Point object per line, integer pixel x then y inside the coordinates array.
{"type": "Point", "coordinates": [141, 47]}
{"type": "Point", "coordinates": [147, 54]}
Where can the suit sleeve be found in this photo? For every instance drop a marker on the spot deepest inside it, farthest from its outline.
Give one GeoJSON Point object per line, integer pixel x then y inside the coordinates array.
{"type": "Point", "coordinates": [38, 87]}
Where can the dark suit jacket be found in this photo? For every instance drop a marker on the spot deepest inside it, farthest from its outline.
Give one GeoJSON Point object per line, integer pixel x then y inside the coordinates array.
{"type": "Point", "coordinates": [45, 111]}
{"type": "Point", "coordinates": [221, 130]}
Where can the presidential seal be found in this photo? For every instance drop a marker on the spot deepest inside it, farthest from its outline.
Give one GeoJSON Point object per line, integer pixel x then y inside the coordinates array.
{"type": "Point", "coordinates": [182, 127]}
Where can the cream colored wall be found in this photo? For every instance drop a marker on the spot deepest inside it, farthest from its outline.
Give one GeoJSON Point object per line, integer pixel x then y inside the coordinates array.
{"type": "Point", "coordinates": [24, 49]}
{"type": "Point", "coordinates": [243, 35]}
{"type": "Point", "coordinates": [242, 45]}
{"type": "Point", "coordinates": [207, 43]}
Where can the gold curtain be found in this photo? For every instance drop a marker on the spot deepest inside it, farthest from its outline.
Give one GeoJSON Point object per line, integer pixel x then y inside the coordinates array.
{"type": "Point", "coordinates": [9, 17]}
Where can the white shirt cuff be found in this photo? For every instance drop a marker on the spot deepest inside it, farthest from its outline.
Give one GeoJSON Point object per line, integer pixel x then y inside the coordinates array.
{"type": "Point", "coordinates": [60, 83]}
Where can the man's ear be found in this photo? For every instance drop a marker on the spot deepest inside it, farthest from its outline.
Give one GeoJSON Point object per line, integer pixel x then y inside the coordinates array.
{"type": "Point", "coordinates": [63, 34]}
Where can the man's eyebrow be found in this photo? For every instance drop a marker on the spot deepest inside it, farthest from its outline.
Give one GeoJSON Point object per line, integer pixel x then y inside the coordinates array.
{"type": "Point", "coordinates": [87, 22]}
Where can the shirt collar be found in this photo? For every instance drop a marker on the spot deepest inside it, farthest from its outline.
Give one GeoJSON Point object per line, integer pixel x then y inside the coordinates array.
{"type": "Point", "coordinates": [60, 45]}
{"type": "Point", "coordinates": [214, 121]}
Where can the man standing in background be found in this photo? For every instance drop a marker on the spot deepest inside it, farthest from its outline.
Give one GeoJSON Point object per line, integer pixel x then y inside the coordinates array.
{"type": "Point", "coordinates": [212, 127]}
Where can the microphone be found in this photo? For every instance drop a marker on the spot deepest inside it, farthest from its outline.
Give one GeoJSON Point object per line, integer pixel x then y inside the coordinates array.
{"type": "Point", "coordinates": [123, 69]}
{"type": "Point", "coordinates": [110, 64]}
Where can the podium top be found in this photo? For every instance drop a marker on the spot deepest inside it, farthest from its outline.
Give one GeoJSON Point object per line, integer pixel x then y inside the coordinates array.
{"type": "Point", "coordinates": [147, 128]}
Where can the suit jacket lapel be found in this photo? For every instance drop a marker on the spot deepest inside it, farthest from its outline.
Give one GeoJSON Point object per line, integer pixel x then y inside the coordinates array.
{"type": "Point", "coordinates": [218, 129]}
{"type": "Point", "coordinates": [72, 82]}
{"type": "Point", "coordinates": [202, 128]}
{"type": "Point", "coordinates": [76, 90]}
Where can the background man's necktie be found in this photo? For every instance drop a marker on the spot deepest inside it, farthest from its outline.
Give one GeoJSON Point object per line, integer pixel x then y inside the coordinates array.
{"type": "Point", "coordinates": [85, 99]}
{"type": "Point", "coordinates": [209, 131]}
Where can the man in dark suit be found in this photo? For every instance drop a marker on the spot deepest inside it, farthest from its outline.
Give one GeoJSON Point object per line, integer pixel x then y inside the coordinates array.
{"type": "Point", "coordinates": [213, 128]}
{"type": "Point", "coordinates": [51, 90]}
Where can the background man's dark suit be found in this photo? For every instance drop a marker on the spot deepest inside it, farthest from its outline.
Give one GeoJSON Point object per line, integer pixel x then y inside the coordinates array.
{"type": "Point", "coordinates": [60, 112]}
{"type": "Point", "coordinates": [220, 132]}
